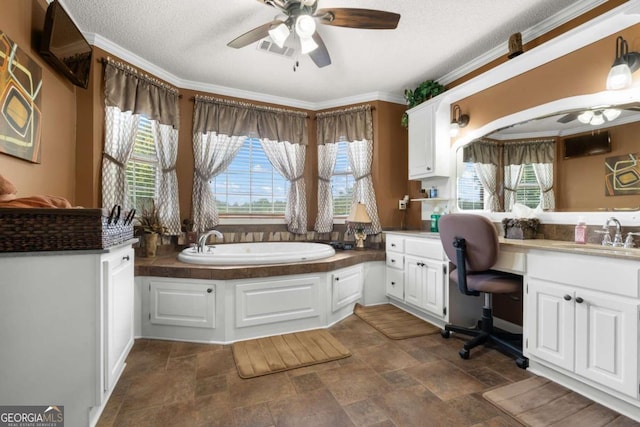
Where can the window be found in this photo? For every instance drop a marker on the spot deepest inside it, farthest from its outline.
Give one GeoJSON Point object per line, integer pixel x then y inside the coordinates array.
{"type": "Point", "coordinates": [250, 185]}
{"type": "Point", "coordinates": [142, 166]}
{"type": "Point", "coordinates": [470, 190]}
{"type": "Point", "coordinates": [528, 191]}
{"type": "Point", "coordinates": [342, 182]}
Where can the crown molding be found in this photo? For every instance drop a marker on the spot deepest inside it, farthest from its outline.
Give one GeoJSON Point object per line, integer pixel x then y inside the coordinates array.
{"type": "Point", "coordinates": [543, 27]}
{"type": "Point", "coordinates": [126, 55]}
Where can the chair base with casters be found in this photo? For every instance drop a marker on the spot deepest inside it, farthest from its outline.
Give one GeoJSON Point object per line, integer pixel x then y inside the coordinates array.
{"type": "Point", "coordinates": [471, 244]}
{"type": "Point", "coordinates": [486, 334]}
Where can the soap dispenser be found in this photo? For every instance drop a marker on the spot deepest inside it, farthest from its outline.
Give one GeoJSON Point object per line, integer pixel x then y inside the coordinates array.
{"type": "Point", "coordinates": [435, 217]}
{"type": "Point", "coordinates": [581, 231]}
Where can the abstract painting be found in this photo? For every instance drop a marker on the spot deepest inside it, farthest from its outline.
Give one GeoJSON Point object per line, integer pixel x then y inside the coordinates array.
{"type": "Point", "coordinates": [622, 175]}
{"type": "Point", "coordinates": [20, 102]}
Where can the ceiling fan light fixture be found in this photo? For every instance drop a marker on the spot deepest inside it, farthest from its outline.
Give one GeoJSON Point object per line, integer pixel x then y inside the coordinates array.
{"type": "Point", "coordinates": [586, 117]}
{"type": "Point", "coordinates": [598, 119]}
{"type": "Point", "coordinates": [279, 34]}
{"type": "Point", "coordinates": [307, 45]}
{"type": "Point", "coordinates": [625, 63]}
{"type": "Point", "coordinates": [611, 113]}
{"type": "Point", "coordinates": [305, 26]}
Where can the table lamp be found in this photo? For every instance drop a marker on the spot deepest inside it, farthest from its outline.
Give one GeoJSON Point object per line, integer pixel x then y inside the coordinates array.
{"type": "Point", "coordinates": [357, 218]}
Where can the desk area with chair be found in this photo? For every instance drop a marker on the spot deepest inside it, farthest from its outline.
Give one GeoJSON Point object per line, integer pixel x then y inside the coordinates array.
{"type": "Point", "coordinates": [581, 307]}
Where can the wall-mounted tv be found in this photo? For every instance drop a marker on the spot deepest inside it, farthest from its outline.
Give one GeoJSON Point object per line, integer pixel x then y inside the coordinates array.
{"type": "Point", "coordinates": [587, 145]}
{"type": "Point", "coordinates": [64, 46]}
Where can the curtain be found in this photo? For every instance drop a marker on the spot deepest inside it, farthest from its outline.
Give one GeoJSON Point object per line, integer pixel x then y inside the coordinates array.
{"type": "Point", "coordinates": [360, 158]}
{"type": "Point", "coordinates": [288, 159]}
{"type": "Point", "coordinates": [327, 154]}
{"type": "Point", "coordinates": [356, 126]}
{"type": "Point", "coordinates": [129, 94]}
{"type": "Point", "coordinates": [486, 151]}
{"type": "Point", "coordinates": [526, 152]}
{"type": "Point", "coordinates": [212, 154]}
{"type": "Point", "coordinates": [121, 128]}
{"type": "Point", "coordinates": [512, 175]}
{"type": "Point", "coordinates": [219, 130]}
{"type": "Point", "coordinates": [488, 176]}
{"type": "Point", "coordinates": [166, 142]}
{"type": "Point", "coordinates": [544, 176]}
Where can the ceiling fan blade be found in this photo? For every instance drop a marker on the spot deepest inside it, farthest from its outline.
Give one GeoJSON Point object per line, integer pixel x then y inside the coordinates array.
{"type": "Point", "coordinates": [273, 3]}
{"type": "Point", "coordinates": [253, 36]}
{"type": "Point", "coordinates": [358, 18]}
{"type": "Point", "coordinates": [568, 118]}
{"type": "Point", "coordinates": [320, 55]}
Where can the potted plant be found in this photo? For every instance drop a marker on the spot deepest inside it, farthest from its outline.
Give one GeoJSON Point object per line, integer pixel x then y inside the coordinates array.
{"type": "Point", "coordinates": [425, 91]}
{"type": "Point", "coordinates": [149, 224]}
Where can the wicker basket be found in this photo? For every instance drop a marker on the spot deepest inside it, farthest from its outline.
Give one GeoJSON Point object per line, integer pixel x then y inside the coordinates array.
{"type": "Point", "coordinates": [44, 229]}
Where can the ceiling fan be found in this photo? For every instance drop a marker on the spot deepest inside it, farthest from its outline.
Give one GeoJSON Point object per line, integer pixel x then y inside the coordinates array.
{"type": "Point", "coordinates": [300, 21]}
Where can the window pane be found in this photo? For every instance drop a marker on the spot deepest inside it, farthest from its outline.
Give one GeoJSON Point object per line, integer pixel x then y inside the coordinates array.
{"type": "Point", "coordinates": [470, 191]}
{"type": "Point", "coordinates": [342, 182]}
{"type": "Point", "coordinates": [141, 167]}
{"type": "Point", "coordinates": [528, 192]}
{"type": "Point", "coordinates": [250, 185]}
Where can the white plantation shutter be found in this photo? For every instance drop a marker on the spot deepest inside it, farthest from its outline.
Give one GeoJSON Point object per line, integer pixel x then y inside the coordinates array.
{"type": "Point", "coordinates": [342, 182]}
{"type": "Point", "coordinates": [142, 167]}
{"type": "Point", "coordinates": [528, 191]}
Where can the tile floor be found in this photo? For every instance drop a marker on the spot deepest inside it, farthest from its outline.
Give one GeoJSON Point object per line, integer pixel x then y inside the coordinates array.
{"type": "Point", "coordinates": [414, 382]}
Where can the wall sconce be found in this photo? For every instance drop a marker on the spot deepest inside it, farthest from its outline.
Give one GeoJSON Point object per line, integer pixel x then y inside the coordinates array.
{"type": "Point", "coordinates": [458, 121]}
{"type": "Point", "coordinates": [357, 219]}
{"type": "Point", "coordinates": [625, 63]}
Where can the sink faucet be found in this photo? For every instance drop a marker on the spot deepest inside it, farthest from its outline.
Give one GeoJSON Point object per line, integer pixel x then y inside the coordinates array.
{"type": "Point", "coordinates": [202, 240]}
{"type": "Point", "coordinates": [617, 239]}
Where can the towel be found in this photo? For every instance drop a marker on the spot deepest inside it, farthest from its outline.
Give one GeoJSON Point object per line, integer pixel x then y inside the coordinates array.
{"type": "Point", "coordinates": [8, 198]}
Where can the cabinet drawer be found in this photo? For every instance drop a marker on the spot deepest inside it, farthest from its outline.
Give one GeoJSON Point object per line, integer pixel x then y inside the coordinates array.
{"type": "Point", "coordinates": [395, 260]}
{"type": "Point", "coordinates": [394, 243]}
{"type": "Point", "coordinates": [395, 283]}
{"type": "Point", "coordinates": [426, 248]}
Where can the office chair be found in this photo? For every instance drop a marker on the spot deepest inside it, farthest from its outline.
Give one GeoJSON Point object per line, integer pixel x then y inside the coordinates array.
{"type": "Point", "coordinates": [471, 244]}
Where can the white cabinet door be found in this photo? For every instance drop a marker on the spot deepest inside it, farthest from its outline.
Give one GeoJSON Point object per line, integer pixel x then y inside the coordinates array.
{"type": "Point", "coordinates": [433, 291]}
{"type": "Point", "coordinates": [182, 304]}
{"type": "Point", "coordinates": [119, 290]}
{"type": "Point", "coordinates": [421, 141]}
{"type": "Point", "coordinates": [346, 287]}
{"type": "Point", "coordinates": [550, 322]}
{"type": "Point", "coordinates": [414, 280]}
{"type": "Point", "coordinates": [607, 340]}
{"type": "Point", "coordinates": [395, 283]}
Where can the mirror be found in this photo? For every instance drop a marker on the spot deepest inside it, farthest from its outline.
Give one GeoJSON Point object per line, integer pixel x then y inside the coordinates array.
{"type": "Point", "coordinates": [596, 155]}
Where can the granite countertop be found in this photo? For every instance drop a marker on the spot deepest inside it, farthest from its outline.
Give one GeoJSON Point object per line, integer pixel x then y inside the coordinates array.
{"type": "Point", "coordinates": [169, 266]}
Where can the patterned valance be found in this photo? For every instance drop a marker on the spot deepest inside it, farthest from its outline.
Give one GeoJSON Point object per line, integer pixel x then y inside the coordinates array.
{"type": "Point", "coordinates": [351, 124]}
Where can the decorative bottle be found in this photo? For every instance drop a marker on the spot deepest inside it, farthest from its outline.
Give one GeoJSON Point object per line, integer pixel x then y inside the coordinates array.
{"type": "Point", "coordinates": [581, 231]}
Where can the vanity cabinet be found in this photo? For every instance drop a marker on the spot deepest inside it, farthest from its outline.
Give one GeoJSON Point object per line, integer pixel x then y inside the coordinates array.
{"type": "Point", "coordinates": [416, 271]}
{"type": "Point", "coordinates": [428, 150]}
{"type": "Point", "coordinates": [66, 327]}
{"type": "Point", "coordinates": [346, 287]}
{"type": "Point", "coordinates": [582, 316]}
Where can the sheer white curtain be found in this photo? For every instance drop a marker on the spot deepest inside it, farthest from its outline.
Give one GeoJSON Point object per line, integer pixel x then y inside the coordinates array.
{"type": "Point", "coordinates": [488, 176]}
{"type": "Point", "coordinates": [512, 175]}
{"type": "Point", "coordinates": [544, 176]}
{"type": "Point", "coordinates": [212, 154]}
{"type": "Point", "coordinates": [288, 159]}
{"type": "Point", "coordinates": [121, 128]}
{"type": "Point", "coordinates": [166, 142]}
{"type": "Point", "coordinates": [360, 159]}
{"type": "Point", "coordinates": [327, 154]}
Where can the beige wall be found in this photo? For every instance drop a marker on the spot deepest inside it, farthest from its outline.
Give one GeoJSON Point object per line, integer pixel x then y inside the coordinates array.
{"type": "Point", "coordinates": [22, 20]}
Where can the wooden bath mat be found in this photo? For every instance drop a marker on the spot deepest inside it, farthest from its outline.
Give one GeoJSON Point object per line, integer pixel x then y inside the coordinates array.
{"type": "Point", "coordinates": [283, 352]}
{"type": "Point", "coordinates": [393, 322]}
{"type": "Point", "coordinates": [538, 402]}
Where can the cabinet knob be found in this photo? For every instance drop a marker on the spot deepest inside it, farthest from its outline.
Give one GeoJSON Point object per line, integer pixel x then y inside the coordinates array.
{"type": "Point", "coordinates": [567, 297]}
{"type": "Point", "coordinates": [393, 283]}
{"type": "Point", "coordinates": [428, 168]}
{"type": "Point", "coordinates": [126, 258]}
{"type": "Point", "coordinates": [209, 290]}
{"type": "Point", "coordinates": [393, 260]}
{"type": "Point", "coordinates": [393, 245]}
{"type": "Point", "coordinates": [337, 279]}
{"type": "Point", "coordinates": [579, 300]}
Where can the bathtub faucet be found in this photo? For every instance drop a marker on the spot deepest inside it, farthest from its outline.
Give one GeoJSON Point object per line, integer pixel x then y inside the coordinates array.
{"type": "Point", "coordinates": [202, 240]}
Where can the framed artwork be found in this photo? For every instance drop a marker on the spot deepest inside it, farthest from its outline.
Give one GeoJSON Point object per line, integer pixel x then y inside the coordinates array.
{"type": "Point", "coordinates": [20, 102]}
{"type": "Point", "coordinates": [622, 175]}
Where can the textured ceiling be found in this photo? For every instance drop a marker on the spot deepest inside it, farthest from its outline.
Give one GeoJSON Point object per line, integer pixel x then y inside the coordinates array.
{"type": "Point", "coordinates": [187, 39]}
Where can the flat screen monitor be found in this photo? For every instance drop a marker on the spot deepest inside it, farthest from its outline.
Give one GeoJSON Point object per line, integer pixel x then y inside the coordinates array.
{"type": "Point", "coordinates": [587, 145]}
{"type": "Point", "coordinates": [64, 46]}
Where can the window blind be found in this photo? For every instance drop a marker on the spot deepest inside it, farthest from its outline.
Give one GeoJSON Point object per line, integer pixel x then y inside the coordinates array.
{"type": "Point", "coordinates": [342, 182]}
{"type": "Point", "coordinates": [142, 167]}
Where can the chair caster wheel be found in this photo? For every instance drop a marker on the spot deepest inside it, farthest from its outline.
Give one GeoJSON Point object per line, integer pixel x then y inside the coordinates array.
{"type": "Point", "coordinates": [445, 334]}
{"type": "Point", "coordinates": [522, 362]}
{"type": "Point", "coordinates": [464, 353]}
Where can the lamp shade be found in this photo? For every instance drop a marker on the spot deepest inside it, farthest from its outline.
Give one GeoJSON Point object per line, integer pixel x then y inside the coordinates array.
{"type": "Point", "coordinates": [279, 34]}
{"type": "Point", "coordinates": [619, 77]}
{"type": "Point", "coordinates": [359, 214]}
